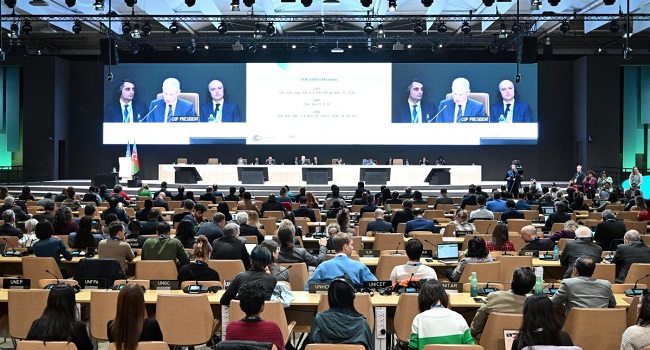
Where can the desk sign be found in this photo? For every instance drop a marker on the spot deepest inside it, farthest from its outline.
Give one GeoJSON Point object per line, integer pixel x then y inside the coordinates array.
{"type": "Point", "coordinates": [226, 283]}
{"type": "Point", "coordinates": [93, 283]}
{"type": "Point", "coordinates": [319, 288]}
{"type": "Point", "coordinates": [529, 253]}
{"type": "Point", "coordinates": [16, 283]}
{"type": "Point", "coordinates": [164, 284]}
{"type": "Point", "coordinates": [369, 253]}
{"type": "Point", "coordinates": [427, 253]}
{"type": "Point", "coordinates": [377, 284]}
{"type": "Point", "coordinates": [453, 286]}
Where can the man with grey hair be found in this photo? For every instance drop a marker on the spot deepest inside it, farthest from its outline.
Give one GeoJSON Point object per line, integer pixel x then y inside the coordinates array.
{"type": "Point", "coordinates": [170, 108]}
{"type": "Point", "coordinates": [533, 241]}
{"type": "Point", "coordinates": [609, 232]}
{"type": "Point", "coordinates": [229, 247]}
{"type": "Point", "coordinates": [633, 250]}
{"type": "Point", "coordinates": [459, 105]}
{"type": "Point", "coordinates": [379, 225]}
{"type": "Point", "coordinates": [20, 214]}
{"type": "Point", "coordinates": [8, 228]}
{"type": "Point", "coordinates": [247, 230]}
{"type": "Point", "coordinates": [213, 229]}
{"type": "Point", "coordinates": [583, 246]}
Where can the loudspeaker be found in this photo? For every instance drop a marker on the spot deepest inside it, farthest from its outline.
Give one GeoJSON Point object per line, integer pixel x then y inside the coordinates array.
{"type": "Point", "coordinates": [103, 49]}
{"type": "Point", "coordinates": [529, 49]}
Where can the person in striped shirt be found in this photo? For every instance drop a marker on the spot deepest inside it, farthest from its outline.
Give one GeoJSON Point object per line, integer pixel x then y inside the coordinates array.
{"type": "Point", "coordinates": [436, 323]}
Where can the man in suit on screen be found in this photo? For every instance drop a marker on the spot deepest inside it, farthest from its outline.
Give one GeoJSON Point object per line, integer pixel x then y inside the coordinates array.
{"type": "Point", "coordinates": [414, 110]}
{"type": "Point", "coordinates": [459, 105]}
{"type": "Point", "coordinates": [218, 110]}
{"type": "Point", "coordinates": [125, 109]}
{"type": "Point", "coordinates": [169, 107]}
{"type": "Point", "coordinates": [509, 110]}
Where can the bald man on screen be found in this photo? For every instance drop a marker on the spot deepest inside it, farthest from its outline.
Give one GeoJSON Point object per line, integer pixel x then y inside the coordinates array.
{"type": "Point", "coordinates": [459, 105]}
{"type": "Point", "coordinates": [170, 108]}
{"type": "Point", "coordinates": [218, 110]}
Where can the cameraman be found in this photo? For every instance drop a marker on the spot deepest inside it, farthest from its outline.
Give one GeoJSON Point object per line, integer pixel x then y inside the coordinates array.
{"type": "Point", "coordinates": [513, 178]}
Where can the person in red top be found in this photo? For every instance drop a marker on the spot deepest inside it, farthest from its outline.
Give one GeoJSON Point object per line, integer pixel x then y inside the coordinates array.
{"type": "Point", "coordinates": [590, 183]}
{"type": "Point", "coordinates": [500, 240]}
{"type": "Point", "coordinates": [252, 327]}
{"type": "Point", "coordinates": [117, 191]}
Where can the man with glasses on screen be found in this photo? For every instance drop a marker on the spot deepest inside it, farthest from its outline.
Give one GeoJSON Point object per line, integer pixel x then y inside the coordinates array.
{"type": "Point", "coordinates": [509, 110]}
{"type": "Point", "coordinates": [218, 110]}
{"type": "Point", "coordinates": [415, 110]}
{"type": "Point", "coordinates": [459, 105]}
{"type": "Point", "coordinates": [170, 108]}
{"type": "Point", "coordinates": [125, 109]}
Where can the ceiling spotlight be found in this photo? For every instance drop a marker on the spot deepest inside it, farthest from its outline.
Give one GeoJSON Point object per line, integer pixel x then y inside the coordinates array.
{"type": "Point", "coordinates": [373, 48]}
{"type": "Point", "coordinates": [609, 2]}
{"type": "Point", "coordinates": [465, 28]}
{"type": "Point", "coordinates": [234, 5]}
{"type": "Point", "coordinates": [99, 5]}
{"type": "Point", "coordinates": [306, 3]}
{"type": "Point", "coordinates": [173, 28]}
{"type": "Point", "coordinates": [293, 46]}
{"type": "Point", "coordinates": [516, 28]}
{"type": "Point", "coordinates": [206, 47]}
{"type": "Point", "coordinates": [252, 48]}
{"type": "Point", "coordinates": [417, 28]}
{"type": "Point", "coordinates": [13, 31]}
{"type": "Point", "coordinates": [380, 28]}
{"type": "Point", "coordinates": [442, 28]}
{"type": "Point", "coordinates": [366, 3]}
{"type": "Point", "coordinates": [494, 48]}
{"type": "Point", "coordinates": [126, 28]}
{"type": "Point", "coordinates": [535, 5]}
{"type": "Point", "coordinates": [146, 29]}
{"type": "Point", "coordinates": [258, 30]}
{"type": "Point", "coordinates": [349, 46]}
{"type": "Point", "coordinates": [10, 3]}
{"type": "Point", "coordinates": [130, 3]}
{"type": "Point", "coordinates": [190, 3]}
{"type": "Point", "coordinates": [553, 2]}
{"type": "Point", "coordinates": [70, 3]}
{"type": "Point", "coordinates": [135, 48]}
{"type": "Point", "coordinates": [223, 29]}
{"type": "Point", "coordinates": [627, 53]}
{"type": "Point", "coordinates": [613, 27]}
{"type": "Point", "coordinates": [599, 50]}
{"type": "Point", "coordinates": [368, 29]}
{"type": "Point", "coordinates": [250, 3]}
{"type": "Point", "coordinates": [320, 28]}
{"type": "Point", "coordinates": [312, 48]}
{"type": "Point", "coordinates": [135, 33]}
{"type": "Point", "coordinates": [503, 33]}
{"type": "Point", "coordinates": [192, 48]}
{"type": "Point", "coordinates": [488, 3]}
{"type": "Point", "coordinates": [76, 27]}
{"type": "Point", "coordinates": [27, 28]}
{"type": "Point", "coordinates": [337, 49]}
{"type": "Point", "coordinates": [564, 27]}
{"type": "Point", "coordinates": [38, 3]}
{"type": "Point", "coordinates": [427, 3]}
{"type": "Point", "coordinates": [270, 29]}
{"type": "Point", "coordinates": [392, 5]}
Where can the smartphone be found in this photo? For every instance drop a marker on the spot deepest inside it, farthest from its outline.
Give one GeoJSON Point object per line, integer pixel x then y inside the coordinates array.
{"type": "Point", "coordinates": [428, 260]}
{"type": "Point", "coordinates": [479, 300]}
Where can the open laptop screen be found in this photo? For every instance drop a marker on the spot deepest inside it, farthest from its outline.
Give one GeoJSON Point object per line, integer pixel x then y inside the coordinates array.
{"type": "Point", "coordinates": [448, 251]}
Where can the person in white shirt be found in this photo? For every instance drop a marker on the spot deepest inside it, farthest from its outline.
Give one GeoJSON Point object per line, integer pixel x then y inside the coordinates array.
{"type": "Point", "coordinates": [413, 269]}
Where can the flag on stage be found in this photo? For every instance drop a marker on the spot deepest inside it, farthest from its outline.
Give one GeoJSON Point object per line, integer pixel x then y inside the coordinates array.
{"type": "Point", "coordinates": [134, 157]}
{"type": "Point", "coordinates": [128, 148]}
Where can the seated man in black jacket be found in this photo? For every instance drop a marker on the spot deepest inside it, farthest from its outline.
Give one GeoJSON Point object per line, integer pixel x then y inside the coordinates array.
{"type": "Point", "coordinates": [229, 247]}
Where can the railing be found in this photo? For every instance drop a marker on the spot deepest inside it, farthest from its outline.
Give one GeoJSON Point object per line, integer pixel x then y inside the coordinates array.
{"type": "Point", "coordinates": [11, 174]}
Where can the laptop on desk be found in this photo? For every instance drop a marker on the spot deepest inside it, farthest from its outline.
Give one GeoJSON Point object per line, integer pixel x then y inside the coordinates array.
{"type": "Point", "coordinates": [448, 253]}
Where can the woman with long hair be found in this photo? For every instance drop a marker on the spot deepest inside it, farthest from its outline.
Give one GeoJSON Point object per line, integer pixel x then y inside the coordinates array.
{"type": "Point", "coordinates": [290, 253]}
{"type": "Point", "coordinates": [223, 208]}
{"type": "Point", "coordinates": [254, 219]}
{"type": "Point", "coordinates": [60, 321]}
{"type": "Point", "coordinates": [637, 337]}
{"type": "Point", "coordinates": [131, 324]}
{"type": "Point", "coordinates": [281, 273]}
{"type": "Point", "coordinates": [477, 252]}
{"type": "Point", "coordinates": [500, 241]}
{"type": "Point", "coordinates": [437, 323]}
{"type": "Point", "coordinates": [539, 326]}
{"type": "Point", "coordinates": [185, 233]}
{"type": "Point", "coordinates": [312, 201]}
{"type": "Point", "coordinates": [84, 237]}
{"type": "Point", "coordinates": [342, 323]}
{"type": "Point", "coordinates": [199, 269]}
{"type": "Point", "coordinates": [636, 176]}
{"type": "Point", "coordinates": [63, 223]}
{"type": "Point", "coordinates": [343, 219]}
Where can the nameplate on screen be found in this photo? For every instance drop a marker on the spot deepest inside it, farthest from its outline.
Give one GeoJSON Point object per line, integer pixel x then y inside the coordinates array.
{"type": "Point", "coordinates": [188, 119]}
{"type": "Point", "coordinates": [475, 119]}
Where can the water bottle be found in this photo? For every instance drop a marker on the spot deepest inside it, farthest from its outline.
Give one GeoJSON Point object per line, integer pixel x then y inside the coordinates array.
{"type": "Point", "coordinates": [556, 253]}
{"type": "Point", "coordinates": [473, 285]}
{"type": "Point", "coordinates": [538, 285]}
{"type": "Point", "coordinates": [387, 208]}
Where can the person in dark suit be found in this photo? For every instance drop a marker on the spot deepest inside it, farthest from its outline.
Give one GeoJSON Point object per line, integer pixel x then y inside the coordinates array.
{"type": "Point", "coordinates": [579, 175]}
{"type": "Point", "coordinates": [609, 230]}
{"type": "Point", "coordinates": [248, 230]}
{"type": "Point", "coordinates": [303, 211]}
{"type": "Point", "coordinates": [48, 213]}
{"type": "Point", "coordinates": [125, 110]}
{"type": "Point", "coordinates": [229, 247]}
{"type": "Point", "coordinates": [510, 110]}
{"type": "Point", "coordinates": [8, 228]}
{"type": "Point", "coordinates": [370, 207]}
{"type": "Point", "coordinates": [633, 250]}
{"type": "Point", "coordinates": [459, 105]}
{"type": "Point", "coordinates": [209, 195]}
{"type": "Point", "coordinates": [470, 199]}
{"type": "Point", "coordinates": [583, 246]}
{"type": "Point", "coordinates": [149, 226]}
{"type": "Point", "coordinates": [272, 205]}
{"type": "Point", "coordinates": [511, 212]}
{"type": "Point", "coordinates": [405, 215]}
{"type": "Point", "coordinates": [559, 216]}
{"type": "Point", "coordinates": [113, 209]}
{"type": "Point", "coordinates": [218, 110]}
{"type": "Point", "coordinates": [379, 225]}
{"type": "Point", "coordinates": [443, 198]}
{"type": "Point", "coordinates": [533, 242]}
{"type": "Point", "coordinates": [164, 109]}
{"type": "Point", "coordinates": [161, 202]}
{"type": "Point", "coordinates": [415, 110]}
{"type": "Point", "coordinates": [419, 223]}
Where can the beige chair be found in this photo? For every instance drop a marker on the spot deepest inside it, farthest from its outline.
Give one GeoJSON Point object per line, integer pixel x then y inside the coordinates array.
{"type": "Point", "coordinates": [187, 96]}
{"type": "Point", "coordinates": [557, 227]}
{"type": "Point", "coordinates": [620, 288]}
{"type": "Point", "coordinates": [41, 345]}
{"type": "Point", "coordinates": [628, 215]}
{"type": "Point", "coordinates": [485, 226]}
{"type": "Point", "coordinates": [485, 272]}
{"type": "Point", "coordinates": [273, 311]}
{"type": "Point", "coordinates": [155, 270]}
{"type": "Point", "coordinates": [605, 272]}
{"type": "Point", "coordinates": [227, 269]}
{"type": "Point", "coordinates": [509, 263]}
{"type": "Point", "coordinates": [269, 225]}
{"type": "Point", "coordinates": [515, 225]}
{"type": "Point", "coordinates": [35, 268]}
{"type": "Point", "coordinates": [250, 239]}
{"type": "Point", "coordinates": [631, 313]}
{"type": "Point", "coordinates": [562, 243]}
{"type": "Point", "coordinates": [181, 160]}
{"type": "Point", "coordinates": [499, 286]}
{"type": "Point", "coordinates": [482, 97]}
{"type": "Point", "coordinates": [24, 306]}
{"type": "Point", "coordinates": [362, 303]}
{"type": "Point", "coordinates": [298, 275]}
{"type": "Point", "coordinates": [407, 309]}
{"type": "Point", "coordinates": [213, 160]}
{"type": "Point", "coordinates": [387, 241]}
{"type": "Point", "coordinates": [363, 224]}
{"type": "Point", "coordinates": [180, 327]}
{"type": "Point", "coordinates": [452, 347]}
{"type": "Point", "coordinates": [145, 345]}
{"type": "Point", "coordinates": [429, 240]}
{"type": "Point", "coordinates": [103, 307]}
{"type": "Point", "coordinates": [450, 230]}
{"type": "Point", "coordinates": [401, 227]}
{"type": "Point", "coordinates": [276, 214]}
{"type": "Point", "coordinates": [386, 264]}
{"type": "Point", "coordinates": [637, 270]}
{"type": "Point", "coordinates": [606, 333]}
{"type": "Point", "coordinates": [641, 226]}
{"type": "Point", "coordinates": [492, 337]}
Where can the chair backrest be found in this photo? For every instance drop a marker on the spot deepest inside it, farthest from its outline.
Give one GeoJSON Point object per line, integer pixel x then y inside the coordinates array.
{"type": "Point", "coordinates": [362, 303]}
{"type": "Point", "coordinates": [398, 161]}
{"type": "Point", "coordinates": [269, 225]}
{"type": "Point", "coordinates": [187, 96]}
{"type": "Point", "coordinates": [637, 270]}
{"type": "Point", "coordinates": [433, 240]}
{"type": "Point", "coordinates": [604, 334]}
{"type": "Point", "coordinates": [485, 226]}
{"type": "Point", "coordinates": [485, 272]}
{"type": "Point", "coordinates": [11, 240]}
{"type": "Point", "coordinates": [298, 275]}
{"type": "Point", "coordinates": [34, 268]}
{"type": "Point", "coordinates": [213, 160]}
{"type": "Point", "coordinates": [103, 307]}
{"type": "Point", "coordinates": [363, 224]}
{"type": "Point", "coordinates": [227, 269]}
{"type": "Point", "coordinates": [276, 214]}
{"type": "Point", "coordinates": [562, 243]}
{"type": "Point", "coordinates": [557, 227]}
{"type": "Point", "coordinates": [41, 345]}
{"type": "Point", "coordinates": [631, 313]}
{"type": "Point", "coordinates": [181, 161]}
{"type": "Point", "coordinates": [605, 272]}
{"type": "Point", "coordinates": [641, 226]}
{"type": "Point", "coordinates": [24, 307]}
{"type": "Point", "coordinates": [515, 225]}
{"type": "Point", "coordinates": [627, 215]}
{"type": "Point", "coordinates": [482, 97]}
{"type": "Point", "coordinates": [530, 214]}
{"type": "Point", "coordinates": [145, 345]}
{"type": "Point", "coordinates": [250, 239]}
{"type": "Point", "coordinates": [508, 264]}
{"type": "Point", "coordinates": [180, 327]}
{"type": "Point", "coordinates": [273, 311]}
{"type": "Point", "coordinates": [401, 227]}
{"type": "Point", "coordinates": [492, 337]}
{"type": "Point", "coordinates": [450, 230]}
{"type": "Point", "coordinates": [155, 270]}
{"type": "Point", "coordinates": [452, 347]}
{"type": "Point", "coordinates": [386, 241]}
{"type": "Point", "coordinates": [386, 264]}
{"type": "Point", "coordinates": [407, 309]}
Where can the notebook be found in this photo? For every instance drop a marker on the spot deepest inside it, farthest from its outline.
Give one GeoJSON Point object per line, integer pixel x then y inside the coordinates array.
{"type": "Point", "coordinates": [448, 252]}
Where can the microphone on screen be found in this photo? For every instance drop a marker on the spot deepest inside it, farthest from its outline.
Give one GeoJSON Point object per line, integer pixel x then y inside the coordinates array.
{"type": "Point", "coordinates": [147, 115]}
{"type": "Point", "coordinates": [437, 114]}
